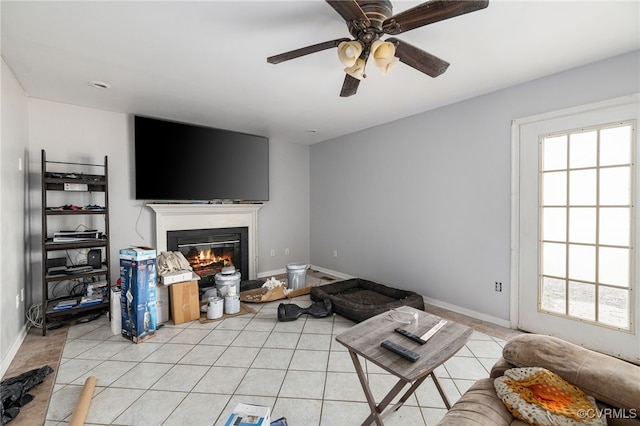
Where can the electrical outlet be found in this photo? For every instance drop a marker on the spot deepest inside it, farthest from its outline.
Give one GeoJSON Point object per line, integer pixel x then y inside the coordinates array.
{"type": "Point", "coordinates": [17, 301]}
{"type": "Point", "coordinates": [286, 252]}
{"type": "Point", "coordinates": [498, 286]}
{"type": "Point", "coordinates": [335, 253]}
{"type": "Point", "coordinates": [22, 294]}
{"type": "Point", "coordinates": [272, 253]}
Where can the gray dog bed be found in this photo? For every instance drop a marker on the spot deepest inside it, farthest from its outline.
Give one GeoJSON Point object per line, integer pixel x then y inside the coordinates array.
{"type": "Point", "coordinates": [358, 299]}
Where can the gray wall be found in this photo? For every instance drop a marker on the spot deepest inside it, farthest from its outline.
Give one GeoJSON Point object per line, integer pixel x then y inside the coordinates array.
{"type": "Point", "coordinates": [284, 222]}
{"type": "Point", "coordinates": [423, 203]}
{"type": "Point", "coordinates": [13, 237]}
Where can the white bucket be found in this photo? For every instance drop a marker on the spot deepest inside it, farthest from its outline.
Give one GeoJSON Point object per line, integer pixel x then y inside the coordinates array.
{"type": "Point", "coordinates": [231, 302]}
{"type": "Point", "coordinates": [214, 307]}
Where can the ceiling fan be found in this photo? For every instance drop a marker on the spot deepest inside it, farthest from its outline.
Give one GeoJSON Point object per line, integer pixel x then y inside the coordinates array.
{"type": "Point", "coordinates": [368, 21]}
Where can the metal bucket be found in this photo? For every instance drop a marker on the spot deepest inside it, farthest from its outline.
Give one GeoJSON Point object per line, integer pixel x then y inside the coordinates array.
{"type": "Point", "coordinates": [296, 275]}
{"type": "Point", "coordinates": [224, 280]}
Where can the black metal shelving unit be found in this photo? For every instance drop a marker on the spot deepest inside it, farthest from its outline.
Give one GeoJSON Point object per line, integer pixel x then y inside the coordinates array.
{"type": "Point", "coordinates": [67, 178]}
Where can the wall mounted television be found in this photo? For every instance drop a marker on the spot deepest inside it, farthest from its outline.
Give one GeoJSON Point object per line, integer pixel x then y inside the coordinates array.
{"type": "Point", "coordinates": [185, 162]}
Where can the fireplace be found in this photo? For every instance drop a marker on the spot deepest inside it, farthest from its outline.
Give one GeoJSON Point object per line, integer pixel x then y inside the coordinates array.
{"type": "Point", "coordinates": [210, 250]}
{"type": "Point", "coordinates": [185, 217]}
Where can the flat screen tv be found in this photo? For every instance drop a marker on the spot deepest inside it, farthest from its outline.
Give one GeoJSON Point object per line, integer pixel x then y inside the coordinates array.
{"type": "Point", "coordinates": [185, 162]}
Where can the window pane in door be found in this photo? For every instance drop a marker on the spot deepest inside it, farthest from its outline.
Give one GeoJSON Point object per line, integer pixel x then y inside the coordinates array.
{"type": "Point", "coordinates": [582, 187]}
{"type": "Point", "coordinates": [555, 189]}
{"type": "Point", "coordinates": [613, 266]}
{"type": "Point", "coordinates": [554, 153]}
{"type": "Point", "coordinates": [582, 300]}
{"type": "Point", "coordinates": [582, 225]}
{"type": "Point", "coordinates": [582, 262]}
{"type": "Point", "coordinates": [583, 149]}
{"type": "Point", "coordinates": [553, 295]}
{"type": "Point", "coordinates": [554, 256]}
{"type": "Point", "coordinates": [613, 307]}
{"type": "Point", "coordinates": [615, 146]}
{"type": "Point", "coordinates": [615, 225]}
{"type": "Point", "coordinates": [554, 224]}
{"type": "Point", "coordinates": [615, 186]}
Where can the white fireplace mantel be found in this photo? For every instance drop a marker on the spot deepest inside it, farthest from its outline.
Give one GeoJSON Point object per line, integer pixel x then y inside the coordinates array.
{"type": "Point", "coordinates": [177, 217]}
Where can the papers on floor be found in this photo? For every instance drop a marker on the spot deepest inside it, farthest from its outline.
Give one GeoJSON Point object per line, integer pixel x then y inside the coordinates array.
{"type": "Point", "coordinates": [249, 415]}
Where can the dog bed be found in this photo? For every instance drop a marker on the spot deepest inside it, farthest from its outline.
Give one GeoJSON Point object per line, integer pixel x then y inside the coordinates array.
{"type": "Point", "coordinates": [358, 299]}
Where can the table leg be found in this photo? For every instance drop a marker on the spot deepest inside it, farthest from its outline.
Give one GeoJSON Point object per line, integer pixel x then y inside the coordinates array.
{"type": "Point", "coordinates": [409, 392]}
{"type": "Point", "coordinates": [367, 391]}
{"type": "Point", "coordinates": [377, 409]}
{"type": "Point", "coordinates": [440, 390]}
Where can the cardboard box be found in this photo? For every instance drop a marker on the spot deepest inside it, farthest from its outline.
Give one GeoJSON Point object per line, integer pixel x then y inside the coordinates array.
{"type": "Point", "coordinates": [138, 253]}
{"type": "Point", "coordinates": [249, 415]}
{"type": "Point", "coordinates": [263, 294]}
{"type": "Point", "coordinates": [138, 293]}
{"type": "Point", "coordinates": [185, 303]}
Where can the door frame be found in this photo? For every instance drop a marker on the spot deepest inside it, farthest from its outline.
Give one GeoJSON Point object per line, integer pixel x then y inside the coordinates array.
{"type": "Point", "coordinates": [516, 126]}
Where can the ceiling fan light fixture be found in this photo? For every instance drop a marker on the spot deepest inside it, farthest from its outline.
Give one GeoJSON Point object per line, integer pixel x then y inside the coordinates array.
{"type": "Point", "coordinates": [349, 52]}
{"type": "Point", "coordinates": [357, 70]}
{"type": "Point", "coordinates": [368, 21]}
{"type": "Point", "coordinates": [383, 53]}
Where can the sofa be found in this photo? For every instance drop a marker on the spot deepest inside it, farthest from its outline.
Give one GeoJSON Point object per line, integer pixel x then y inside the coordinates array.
{"type": "Point", "coordinates": [613, 383]}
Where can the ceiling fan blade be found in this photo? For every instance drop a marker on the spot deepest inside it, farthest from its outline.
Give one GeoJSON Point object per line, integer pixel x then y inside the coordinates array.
{"type": "Point", "coordinates": [430, 12]}
{"type": "Point", "coordinates": [418, 58]}
{"type": "Point", "coordinates": [349, 10]}
{"type": "Point", "coordinates": [350, 86]}
{"type": "Point", "coordinates": [276, 59]}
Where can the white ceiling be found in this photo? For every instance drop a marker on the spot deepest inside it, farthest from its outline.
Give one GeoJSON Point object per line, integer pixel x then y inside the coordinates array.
{"type": "Point", "coordinates": [205, 62]}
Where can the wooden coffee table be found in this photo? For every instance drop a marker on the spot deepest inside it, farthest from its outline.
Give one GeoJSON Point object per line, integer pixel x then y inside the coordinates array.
{"type": "Point", "coordinates": [364, 340]}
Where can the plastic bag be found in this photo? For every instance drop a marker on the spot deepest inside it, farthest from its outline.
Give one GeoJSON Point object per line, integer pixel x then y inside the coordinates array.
{"type": "Point", "coordinates": [14, 391]}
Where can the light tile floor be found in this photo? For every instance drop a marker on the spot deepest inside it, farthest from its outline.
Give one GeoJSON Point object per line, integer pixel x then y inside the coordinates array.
{"type": "Point", "coordinates": [196, 373]}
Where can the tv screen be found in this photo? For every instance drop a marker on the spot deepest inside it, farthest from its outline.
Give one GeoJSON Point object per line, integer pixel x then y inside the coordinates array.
{"type": "Point", "coordinates": [184, 162]}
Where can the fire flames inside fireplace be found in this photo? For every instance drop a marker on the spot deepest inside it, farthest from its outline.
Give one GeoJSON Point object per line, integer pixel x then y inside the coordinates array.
{"type": "Point", "coordinates": [209, 261]}
{"type": "Point", "coordinates": [210, 250]}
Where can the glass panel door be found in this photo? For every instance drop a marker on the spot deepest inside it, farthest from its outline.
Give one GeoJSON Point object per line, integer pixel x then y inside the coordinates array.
{"type": "Point", "coordinates": [574, 266]}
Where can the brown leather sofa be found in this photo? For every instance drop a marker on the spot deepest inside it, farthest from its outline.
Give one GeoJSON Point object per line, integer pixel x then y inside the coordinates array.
{"type": "Point", "coordinates": [615, 384]}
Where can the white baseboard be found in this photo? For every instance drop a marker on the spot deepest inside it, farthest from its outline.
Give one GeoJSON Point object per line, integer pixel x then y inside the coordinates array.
{"type": "Point", "coordinates": [331, 272]}
{"type": "Point", "coordinates": [269, 274]}
{"type": "Point", "coordinates": [6, 362]}
{"type": "Point", "coordinates": [468, 312]}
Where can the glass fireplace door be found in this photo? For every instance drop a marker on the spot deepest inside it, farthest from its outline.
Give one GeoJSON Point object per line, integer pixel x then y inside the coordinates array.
{"type": "Point", "coordinates": [210, 250]}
